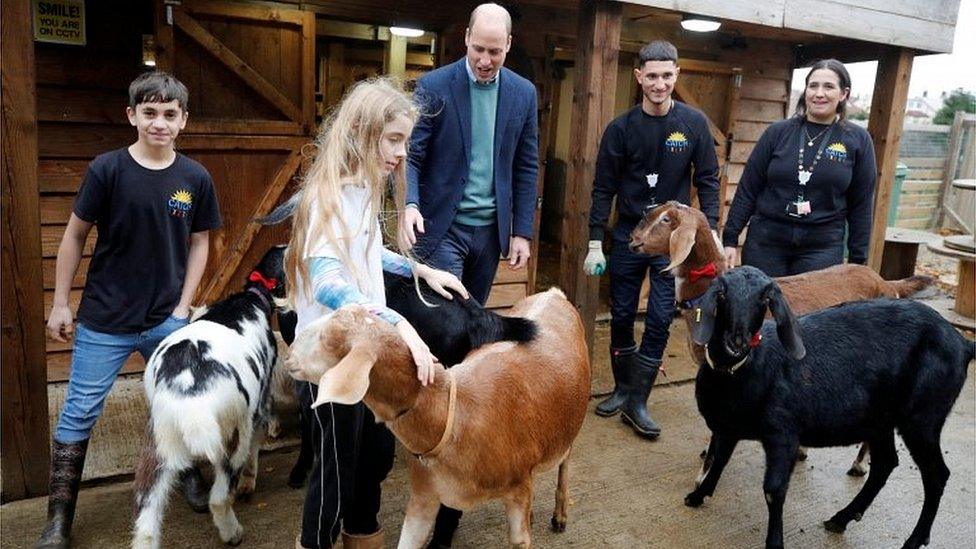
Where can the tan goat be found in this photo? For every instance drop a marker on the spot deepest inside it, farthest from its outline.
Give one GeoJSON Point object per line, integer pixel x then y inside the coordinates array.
{"type": "Point", "coordinates": [682, 232]}
{"type": "Point", "coordinates": [483, 429]}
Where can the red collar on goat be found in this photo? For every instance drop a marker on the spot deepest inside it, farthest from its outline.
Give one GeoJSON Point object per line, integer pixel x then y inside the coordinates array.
{"type": "Point", "coordinates": [268, 283]}
{"type": "Point", "coordinates": [753, 343]}
{"type": "Point", "coordinates": [708, 271]}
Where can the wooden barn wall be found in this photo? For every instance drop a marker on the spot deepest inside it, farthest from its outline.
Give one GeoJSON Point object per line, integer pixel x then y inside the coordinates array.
{"type": "Point", "coordinates": [82, 93]}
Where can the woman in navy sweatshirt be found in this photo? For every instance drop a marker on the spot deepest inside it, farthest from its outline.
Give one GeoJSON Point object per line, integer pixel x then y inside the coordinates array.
{"type": "Point", "coordinates": [808, 182]}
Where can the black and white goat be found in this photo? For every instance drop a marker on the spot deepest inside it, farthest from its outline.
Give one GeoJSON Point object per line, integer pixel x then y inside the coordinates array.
{"type": "Point", "coordinates": [208, 387]}
{"type": "Point", "coordinates": [851, 373]}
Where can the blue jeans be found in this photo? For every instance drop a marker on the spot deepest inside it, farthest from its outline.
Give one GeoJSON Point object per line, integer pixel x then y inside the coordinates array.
{"type": "Point", "coordinates": [627, 272]}
{"type": "Point", "coordinates": [471, 254]}
{"type": "Point", "coordinates": [96, 360]}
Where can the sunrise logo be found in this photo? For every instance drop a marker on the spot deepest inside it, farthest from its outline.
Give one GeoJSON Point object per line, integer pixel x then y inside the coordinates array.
{"type": "Point", "coordinates": [837, 152]}
{"type": "Point", "coordinates": [676, 142]}
{"type": "Point", "coordinates": [180, 203]}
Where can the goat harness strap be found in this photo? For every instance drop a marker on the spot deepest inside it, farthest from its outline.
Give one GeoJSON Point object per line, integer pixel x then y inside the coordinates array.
{"type": "Point", "coordinates": [264, 298]}
{"type": "Point", "coordinates": [708, 271]}
{"type": "Point", "coordinates": [736, 366]}
{"type": "Point", "coordinates": [449, 427]}
{"type": "Point", "coordinates": [753, 343]}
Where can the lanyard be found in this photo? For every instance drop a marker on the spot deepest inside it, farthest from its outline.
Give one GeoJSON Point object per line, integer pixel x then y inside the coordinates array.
{"type": "Point", "coordinates": [803, 176]}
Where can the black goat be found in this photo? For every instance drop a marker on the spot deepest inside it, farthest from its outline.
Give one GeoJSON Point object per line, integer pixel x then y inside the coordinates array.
{"type": "Point", "coordinates": [451, 328]}
{"type": "Point", "coordinates": [873, 367]}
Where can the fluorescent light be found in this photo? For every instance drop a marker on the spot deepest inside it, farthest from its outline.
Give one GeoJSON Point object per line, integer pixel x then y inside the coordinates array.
{"type": "Point", "coordinates": [406, 31]}
{"type": "Point", "coordinates": [699, 23]}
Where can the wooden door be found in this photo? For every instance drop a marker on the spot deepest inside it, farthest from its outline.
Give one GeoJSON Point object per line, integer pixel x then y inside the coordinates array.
{"type": "Point", "coordinates": [250, 70]}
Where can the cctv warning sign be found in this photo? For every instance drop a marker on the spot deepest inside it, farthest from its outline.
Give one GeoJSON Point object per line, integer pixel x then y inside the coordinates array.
{"type": "Point", "coordinates": [59, 21]}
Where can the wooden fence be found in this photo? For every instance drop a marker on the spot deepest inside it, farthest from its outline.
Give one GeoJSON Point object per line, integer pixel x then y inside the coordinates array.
{"type": "Point", "coordinates": [927, 200]}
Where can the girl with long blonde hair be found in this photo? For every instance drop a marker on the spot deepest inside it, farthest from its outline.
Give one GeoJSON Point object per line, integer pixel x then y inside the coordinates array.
{"type": "Point", "coordinates": [336, 257]}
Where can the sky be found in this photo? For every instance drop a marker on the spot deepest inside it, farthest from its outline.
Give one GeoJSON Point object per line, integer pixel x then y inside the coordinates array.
{"type": "Point", "coordinates": [932, 73]}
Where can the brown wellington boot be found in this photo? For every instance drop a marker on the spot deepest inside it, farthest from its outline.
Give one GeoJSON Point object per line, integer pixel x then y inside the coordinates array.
{"type": "Point", "coordinates": [363, 541]}
{"type": "Point", "coordinates": [67, 462]}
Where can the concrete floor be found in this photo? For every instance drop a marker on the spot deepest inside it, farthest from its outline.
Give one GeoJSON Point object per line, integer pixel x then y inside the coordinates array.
{"type": "Point", "coordinates": [626, 492]}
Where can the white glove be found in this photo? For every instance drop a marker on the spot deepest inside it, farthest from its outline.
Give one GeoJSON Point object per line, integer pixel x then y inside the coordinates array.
{"type": "Point", "coordinates": [595, 263]}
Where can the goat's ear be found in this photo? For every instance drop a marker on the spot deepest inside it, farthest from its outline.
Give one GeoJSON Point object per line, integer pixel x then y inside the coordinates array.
{"type": "Point", "coordinates": [704, 315]}
{"type": "Point", "coordinates": [347, 381]}
{"type": "Point", "coordinates": [682, 240]}
{"type": "Point", "coordinates": [787, 328]}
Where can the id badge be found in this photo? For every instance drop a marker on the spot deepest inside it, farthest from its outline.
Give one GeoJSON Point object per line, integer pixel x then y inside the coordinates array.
{"type": "Point", "coordinates": [798, 208]}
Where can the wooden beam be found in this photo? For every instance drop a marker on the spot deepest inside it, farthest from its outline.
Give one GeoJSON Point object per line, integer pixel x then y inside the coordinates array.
{"type": "Point", "coordinates": [24, 457]}
{"type": "Point", "coordinates": [885, 126]}
{"type": "Point", "coordinates": [238, 66]}
{"type": "Point", "coordinates": [248, 12]}
{"type": "Point", "coordinates": [951, 161]}
{"type": "Point", "coordinates": [335, 81]}
{"type": "Point", "coordinates": [232, 257]}
{"type": "Point", "coordinates": [593, 99]}
{"type": "Point", "coordinates": [165, 43]}
{"type": "Point", "coordinates": [308, 71]}
{"type": "Point", "coordinates": [395, 56]}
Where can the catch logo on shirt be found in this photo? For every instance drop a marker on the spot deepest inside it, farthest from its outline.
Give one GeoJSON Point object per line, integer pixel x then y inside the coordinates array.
{"type": "Point", "coordinates": [180, 203]}
{"type": "Point", "coordinates": [676, 142]}
{"type": "Point", "coordinates": [837, 152]}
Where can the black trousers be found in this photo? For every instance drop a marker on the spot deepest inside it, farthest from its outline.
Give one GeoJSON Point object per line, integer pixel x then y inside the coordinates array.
{"type": "Point", "coordinates": [353, 455]}
{"type": "Point", "coordinates": [785, 249]}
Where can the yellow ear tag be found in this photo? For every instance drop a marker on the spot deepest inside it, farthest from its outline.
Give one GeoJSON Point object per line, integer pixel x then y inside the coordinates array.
{"type": "Point", "coordinates": [698, 314]}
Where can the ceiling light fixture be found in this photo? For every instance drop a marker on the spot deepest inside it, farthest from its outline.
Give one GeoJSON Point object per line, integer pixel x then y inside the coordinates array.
{"type": "Point", "coordinates": [700, 23]}
{"type": "Point", "coordinates": [406, 31]}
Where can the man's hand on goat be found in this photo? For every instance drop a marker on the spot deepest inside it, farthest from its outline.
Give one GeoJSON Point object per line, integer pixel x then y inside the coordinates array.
{"type": "Point", "coordinates": [420, 352]}
{"type": "Point", "coordinates": [595, 263]}
{"type": "Point", "coordinates": [60, 324]}
{"type": "Point", "coordinates": [731, 257]}
{"type": "Point", "coordinates": [411, 224]}
{"type": "Point", "coordinates": [441, 281]}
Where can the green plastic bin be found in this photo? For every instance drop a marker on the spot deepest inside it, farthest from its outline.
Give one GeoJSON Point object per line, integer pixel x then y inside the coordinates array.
{"type": "Point", "coordinates": [901, 172]}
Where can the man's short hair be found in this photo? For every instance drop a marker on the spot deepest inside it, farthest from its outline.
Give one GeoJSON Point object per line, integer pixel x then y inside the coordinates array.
{"type": "Point", "coordinates": [158, 87]}
{"type": "Point", "coordinates": [658, 50]}
{"type": "Point", "coordinates": [491, 6]}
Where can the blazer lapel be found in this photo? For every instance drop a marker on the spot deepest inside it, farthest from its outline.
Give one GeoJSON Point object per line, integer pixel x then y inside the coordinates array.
{"type": "Point", "coordinates": [505, 90]}
{"type": "Point", "coordinates": [461, 95]}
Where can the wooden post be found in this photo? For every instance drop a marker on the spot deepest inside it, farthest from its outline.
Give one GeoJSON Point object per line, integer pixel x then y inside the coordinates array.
{"type": "Point", "coordinates": [949, 173]}
{"type": "Point", "coordinates": [885, 126]}
{"type": "Point", "coordinates": [395, 58]}
{"type": "Point", "coordinates": [165, 43]}
{"type": "Point", "coordinates": [25, 452]}
{"type": "Point", "coordinates": [597, 52]}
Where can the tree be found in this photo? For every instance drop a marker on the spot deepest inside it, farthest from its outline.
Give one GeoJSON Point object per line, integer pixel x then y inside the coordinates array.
{"type": "Point", "coordinates": [958, 100]}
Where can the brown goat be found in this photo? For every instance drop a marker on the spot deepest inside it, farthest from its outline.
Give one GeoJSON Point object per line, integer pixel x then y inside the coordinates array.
{"type": "Point", "coordinates": [482, 429]}
{"type": "Point", "coordinates": [682, 232]}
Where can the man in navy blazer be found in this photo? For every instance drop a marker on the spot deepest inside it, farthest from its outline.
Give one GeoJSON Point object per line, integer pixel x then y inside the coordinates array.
{"type": "Point", "coordinates": [473, 160]}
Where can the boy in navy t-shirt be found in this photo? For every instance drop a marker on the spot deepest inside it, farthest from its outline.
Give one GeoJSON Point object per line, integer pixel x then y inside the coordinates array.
{"type": "Point", "coordinates": [154, 209]}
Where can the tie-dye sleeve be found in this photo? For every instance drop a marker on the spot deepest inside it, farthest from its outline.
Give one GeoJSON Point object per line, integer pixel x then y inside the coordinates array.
{"type": "Point", "coordinates": [396, 263]}
{"type": "Point", "coordinates": [332, 290]}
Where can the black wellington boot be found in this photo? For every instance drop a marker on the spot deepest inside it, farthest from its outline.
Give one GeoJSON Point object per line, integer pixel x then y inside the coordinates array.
{"type": "Point", "coordinates": [621, 363]}
{"type": "Point", "coordinates": [195, 489]}
{"type": "Point", "coordinates": [444, 527]}
{"type": "Point", "coordinates": [67, 463]}
{"type": "Point", "coordinates": [635, 414]}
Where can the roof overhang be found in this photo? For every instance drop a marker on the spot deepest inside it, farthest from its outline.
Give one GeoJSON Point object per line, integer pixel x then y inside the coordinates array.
{"type": "Point", "coordinates": [924, 25]}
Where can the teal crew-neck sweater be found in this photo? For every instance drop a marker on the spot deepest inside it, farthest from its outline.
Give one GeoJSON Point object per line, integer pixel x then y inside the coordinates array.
{"type": "Point", "coordinates": [478, 203]}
